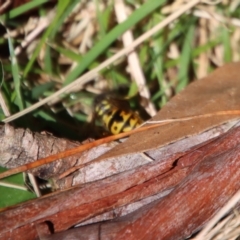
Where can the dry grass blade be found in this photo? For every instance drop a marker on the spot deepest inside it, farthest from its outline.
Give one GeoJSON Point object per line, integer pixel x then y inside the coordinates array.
{"type": "Point", "coordinates": [133, 60]}
{"type": "Point", "coordinates": [90, 75]}
{"type": "Point", "coordinates": [228, 229]}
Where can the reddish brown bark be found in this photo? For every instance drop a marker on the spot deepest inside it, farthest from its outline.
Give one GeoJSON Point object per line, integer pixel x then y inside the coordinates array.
{"type": "Point", "coordinates": [194, 201]}
{"type": "Point", "coordinates": [70, 207]}
{"type": "Point", "coordinates": [21, 146]}
{"type": "Point", "coordinates": [213, 180]}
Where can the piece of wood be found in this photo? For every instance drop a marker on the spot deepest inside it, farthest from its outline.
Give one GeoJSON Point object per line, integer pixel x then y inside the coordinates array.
{"type": "Point", "coordinates": [67, 208]}
{"type": "Point", "coordinates": [21, 146]}
{"type": "Point", "coordinates": [198, 196]}
{"type": "Point", "coordinates": [212, 182]}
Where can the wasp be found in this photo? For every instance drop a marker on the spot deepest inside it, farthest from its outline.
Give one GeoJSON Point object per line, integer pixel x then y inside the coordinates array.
{"type": "Point", "coordinates": [116, 115]}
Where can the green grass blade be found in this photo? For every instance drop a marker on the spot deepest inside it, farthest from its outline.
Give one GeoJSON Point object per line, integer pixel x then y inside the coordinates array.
{"type": "Point", "coordinates": [66, 52]}
{"type": "Point", "coordinates": [38, 91]}
{"type": "Point", "coordinates": [48, 60]}
{"type": "Point", "coordinates": [109, 38]}
{"type": "Point", "coordinates": [1, 73]}
{"type": "Point", "coordinates": [185, 58]}
{"type": "Point", "coordinates": [67, 9]}
{"type": "Point", "coordinates": [22, 9]}
{"type": "Point", "coordinates": [226, 44]}
{"type": "Point", "coordinates": [11, 196]}
{"type": "Point", "coordinates": [16, 76]}
{"type": "Point", "coordinates": [47, 33]}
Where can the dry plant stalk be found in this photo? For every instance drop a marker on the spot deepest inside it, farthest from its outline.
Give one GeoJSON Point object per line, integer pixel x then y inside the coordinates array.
{"type": "Point", "coordinates": [228, 228]}
{"type": "Point", "coordinates": [93, 73]}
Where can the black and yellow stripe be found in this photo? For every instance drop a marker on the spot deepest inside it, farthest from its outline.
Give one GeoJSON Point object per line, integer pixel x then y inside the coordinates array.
{"type": "Point", "coordinates": [115, 116]}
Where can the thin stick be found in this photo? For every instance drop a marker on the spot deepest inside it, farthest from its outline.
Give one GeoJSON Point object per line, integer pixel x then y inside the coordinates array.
{"type": "Point", "coordinates": [11, 185]}
{"type": "Point", "coordinates": [160, 122]}
{"type": "Point", "coordinates": [70, 152]}
{"type": "Point", "coordinates": [42, 24]}
{"type": "Point", "coordinates": [136, 71]}
{"type": "Point", "coordinates": [5, 5]}
{"type": "Point", "coordinates": [219, 113]}
{"type": "Point", "coordinates": [91, 74]}
{"type": "Point", "coordinates": [87, 146]}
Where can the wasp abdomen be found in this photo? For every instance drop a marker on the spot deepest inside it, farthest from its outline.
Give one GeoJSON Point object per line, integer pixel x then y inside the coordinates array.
{"type": "Point", "coordinates": [115, 119]}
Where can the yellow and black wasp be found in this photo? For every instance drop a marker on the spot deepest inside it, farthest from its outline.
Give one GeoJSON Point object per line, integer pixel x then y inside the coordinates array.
{"type": "Point", "coordinates": [115, 114]}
